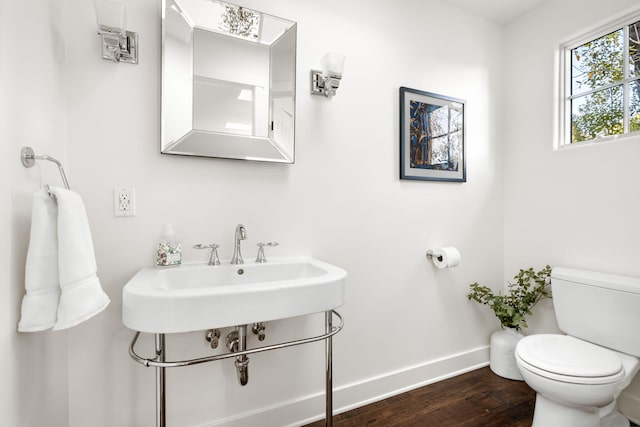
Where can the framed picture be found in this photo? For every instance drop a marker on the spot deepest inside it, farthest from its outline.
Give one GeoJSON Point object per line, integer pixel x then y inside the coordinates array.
{"type": "Point", "coordinates": [432, 146]}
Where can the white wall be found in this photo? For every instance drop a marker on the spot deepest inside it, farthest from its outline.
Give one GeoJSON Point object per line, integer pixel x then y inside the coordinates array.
{"type": "Point", "coordinates": [32, 112]}
{"type": "Point", "coordinates": [341, 201]}
{"type": "Point", "coordinates": [576, 207]}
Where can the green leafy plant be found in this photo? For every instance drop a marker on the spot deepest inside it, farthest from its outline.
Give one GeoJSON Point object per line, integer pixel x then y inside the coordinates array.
{"type": "Point", "coordinates": [527, 290]}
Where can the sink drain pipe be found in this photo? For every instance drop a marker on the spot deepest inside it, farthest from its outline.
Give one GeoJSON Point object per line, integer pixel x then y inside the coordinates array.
{"type": "Point", "coordinates": [237, 342]}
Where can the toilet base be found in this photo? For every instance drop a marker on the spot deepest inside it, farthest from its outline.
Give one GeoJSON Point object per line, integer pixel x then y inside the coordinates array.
{"type": "Point", "coordinates": [548, 413]}
{"type": "Point", "coordinates": [615, 419]}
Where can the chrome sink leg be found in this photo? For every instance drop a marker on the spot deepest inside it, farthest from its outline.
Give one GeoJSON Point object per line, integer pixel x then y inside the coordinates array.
{"type": "Point", "coordinates": [161, 415]}
{"type": "Point", "coordinates": [328, 321]}
{"type": "Point", "coordinates": [233, 343]}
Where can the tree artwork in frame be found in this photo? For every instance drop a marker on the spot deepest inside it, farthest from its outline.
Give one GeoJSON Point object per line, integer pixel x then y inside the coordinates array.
{"type": "Point", "coordinates": [432, 146]}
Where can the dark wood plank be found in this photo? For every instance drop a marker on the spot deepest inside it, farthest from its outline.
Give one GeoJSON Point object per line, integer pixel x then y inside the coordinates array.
{"type": "Point", "coordinates": [477, 398]}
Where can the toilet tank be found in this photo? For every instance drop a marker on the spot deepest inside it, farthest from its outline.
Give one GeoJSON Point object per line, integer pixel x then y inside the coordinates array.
{"type": "Point", "coordinates": [598, 307]}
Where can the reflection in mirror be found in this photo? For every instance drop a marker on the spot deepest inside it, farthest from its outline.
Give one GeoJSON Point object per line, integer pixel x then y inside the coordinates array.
{"type": "Point", "coordinates": [228, 82]}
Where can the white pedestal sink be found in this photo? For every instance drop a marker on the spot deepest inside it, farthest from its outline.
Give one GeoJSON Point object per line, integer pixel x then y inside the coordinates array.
{"type": "Point", "coordinates": [195, 297]}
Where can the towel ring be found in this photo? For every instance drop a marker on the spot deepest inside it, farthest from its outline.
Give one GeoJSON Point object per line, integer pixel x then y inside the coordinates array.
{"type": "Point", "coordinates": [28, 159]}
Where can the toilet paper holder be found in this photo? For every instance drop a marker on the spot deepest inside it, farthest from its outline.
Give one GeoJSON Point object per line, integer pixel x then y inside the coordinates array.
{"type": "Point", "coordinates": [430, 255]}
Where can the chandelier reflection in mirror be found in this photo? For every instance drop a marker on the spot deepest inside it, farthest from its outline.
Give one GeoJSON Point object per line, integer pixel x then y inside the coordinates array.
{"type": "Point", "coordinates": [240, 21]}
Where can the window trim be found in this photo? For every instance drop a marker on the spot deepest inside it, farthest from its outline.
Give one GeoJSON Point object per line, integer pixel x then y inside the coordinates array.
{"type": "Point", "coordinates": [564, 81]}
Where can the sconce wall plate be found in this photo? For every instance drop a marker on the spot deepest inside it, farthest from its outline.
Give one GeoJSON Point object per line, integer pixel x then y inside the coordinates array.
{"type": "Point", "coordinates": [324, 85]}
{"type": "Point", "coordinates": [119, 48]}
{"type": "Point", "coordinates": [317, 82]}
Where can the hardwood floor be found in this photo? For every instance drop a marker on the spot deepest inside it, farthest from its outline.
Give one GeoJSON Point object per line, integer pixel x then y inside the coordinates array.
{"type": "Point", "coordinates": [475, 399]}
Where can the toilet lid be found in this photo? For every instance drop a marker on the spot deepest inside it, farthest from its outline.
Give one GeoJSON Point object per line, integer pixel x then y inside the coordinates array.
{"type": "Point", "coordinates": [568, 356]}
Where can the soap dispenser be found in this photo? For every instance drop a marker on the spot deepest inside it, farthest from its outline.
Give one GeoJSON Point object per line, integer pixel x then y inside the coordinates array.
{"type": "Point", "coordinates": [169, 248]}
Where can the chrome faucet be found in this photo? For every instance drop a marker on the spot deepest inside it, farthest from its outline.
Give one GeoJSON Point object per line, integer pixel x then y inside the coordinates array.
{"type": "Point", "coordinates": [241, 234]}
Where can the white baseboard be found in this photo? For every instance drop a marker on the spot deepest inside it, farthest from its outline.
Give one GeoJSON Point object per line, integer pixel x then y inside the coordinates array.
{"type": "Point", "coordinates": [310, 408]}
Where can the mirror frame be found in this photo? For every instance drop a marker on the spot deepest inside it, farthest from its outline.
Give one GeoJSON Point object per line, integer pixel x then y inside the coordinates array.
{"type": "Point", "coordinates": [206, 143]}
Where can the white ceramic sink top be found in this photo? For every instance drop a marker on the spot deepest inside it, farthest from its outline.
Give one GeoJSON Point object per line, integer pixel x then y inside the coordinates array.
{"type": "Point", "coordinates": [194, 297]}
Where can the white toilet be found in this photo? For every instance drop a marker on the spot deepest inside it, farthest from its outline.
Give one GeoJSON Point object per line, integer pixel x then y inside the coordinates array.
{"type": "Point", "coordinates": [578, 376]}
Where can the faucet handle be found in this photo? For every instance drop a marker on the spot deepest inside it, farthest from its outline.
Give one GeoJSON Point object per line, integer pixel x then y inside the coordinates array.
{"type": "Point", "coordinates": [261, 258]}
{"type": "Point", "coordinates": [213, 258]}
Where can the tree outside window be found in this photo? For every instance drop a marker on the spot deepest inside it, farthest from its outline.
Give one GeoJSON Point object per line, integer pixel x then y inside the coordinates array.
{"type": "Point", "coordinates": [605, 85]}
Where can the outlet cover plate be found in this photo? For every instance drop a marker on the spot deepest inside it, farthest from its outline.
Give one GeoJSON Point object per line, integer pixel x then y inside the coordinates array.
{"type": "Point", "coordinates": [124, 201]}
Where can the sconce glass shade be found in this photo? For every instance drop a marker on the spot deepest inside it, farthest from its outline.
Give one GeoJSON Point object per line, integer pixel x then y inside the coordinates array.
{"type": "Point", "coordinates": [111, 16]}
{"type": "Point", "coordinates": [332, 64]}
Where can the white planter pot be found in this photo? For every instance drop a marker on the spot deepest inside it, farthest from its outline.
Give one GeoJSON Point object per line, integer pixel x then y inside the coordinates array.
{"type": "Point", "coordinates": [502, 360]}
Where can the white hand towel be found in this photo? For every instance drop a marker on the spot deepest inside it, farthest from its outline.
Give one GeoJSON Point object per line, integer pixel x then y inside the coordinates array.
{"type": "Point", "coordinates": [60, 278]}
{"type": "Point", "coordinates": [81, 297]}
{"type": "Point", "coordinates": [40, 304]}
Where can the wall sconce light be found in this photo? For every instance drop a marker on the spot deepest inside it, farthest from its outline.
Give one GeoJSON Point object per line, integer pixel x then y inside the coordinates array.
{"type": "Point", "coordinates": [326, 82]}
{"type": "Point", "coordinates": [118, 44]}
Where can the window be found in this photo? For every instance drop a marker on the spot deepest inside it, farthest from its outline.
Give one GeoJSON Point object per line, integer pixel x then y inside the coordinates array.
{"type": "Point", "coordinates": [602, 84]}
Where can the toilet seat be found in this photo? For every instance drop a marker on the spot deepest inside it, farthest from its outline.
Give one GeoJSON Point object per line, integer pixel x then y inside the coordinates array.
{"type": "Point", "coordinates": [568, 359]}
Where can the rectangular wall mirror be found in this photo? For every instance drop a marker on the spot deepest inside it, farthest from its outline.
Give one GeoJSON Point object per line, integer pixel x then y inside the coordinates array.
{"type": "Point", "coordinates": [228, 82]}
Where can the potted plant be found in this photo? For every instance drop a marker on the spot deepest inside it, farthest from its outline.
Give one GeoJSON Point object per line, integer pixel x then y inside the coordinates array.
{"type": "Point", "coordinates": [511, 309]}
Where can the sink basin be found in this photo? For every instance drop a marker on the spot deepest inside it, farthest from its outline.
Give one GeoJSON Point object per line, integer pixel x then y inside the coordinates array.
{"type": "Point", "coordinates": [194, 297]}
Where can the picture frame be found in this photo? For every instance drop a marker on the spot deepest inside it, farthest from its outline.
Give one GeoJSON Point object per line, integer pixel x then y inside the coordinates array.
{"type": "Point", "coordinates": [432, 136]}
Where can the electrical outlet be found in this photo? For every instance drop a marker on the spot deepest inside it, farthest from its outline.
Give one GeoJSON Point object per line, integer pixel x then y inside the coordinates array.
{"type": "Point", "coordinates": [124, 201]}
